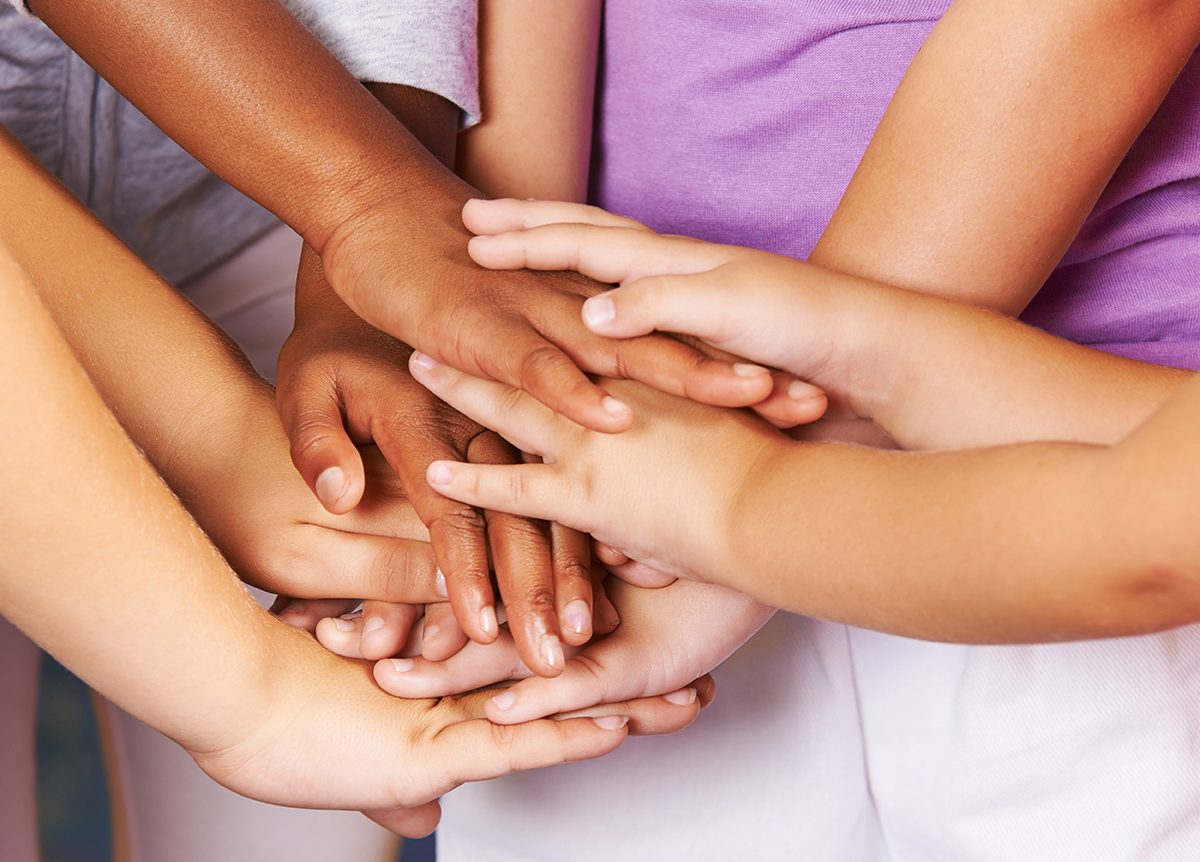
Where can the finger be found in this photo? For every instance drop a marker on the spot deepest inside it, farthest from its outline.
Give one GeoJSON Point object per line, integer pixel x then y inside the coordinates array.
{"type": "Point", "coordinates": [341, 635]}
{"type": "Point", "coordinates": [532, 490]}
{"type": "Point", "coordinates": [607, 554]}
{"type": "Point", "coordinates": [442, 636]}
{"type": "Point", "coordinates": [706, 689]}
{"type": "Point", "coordinates": [375, 567]}
{"type": "Point", "coordinates": [505, 214]}
{"type": "Point", "coordinates": [457, 532]}
{"type": "Point", "coordinates": [385, 628]}
{"type": "Point", "coordinates": [305, 614]}
{"type": "Point", "coordinates": [478, 750]}
{"type": "Point", "coordinates": [525, 575]}
{"type": "Point", "coordinates": [691, 303]}
{"type": "Point", "coordinates": [605, 618]}
{"type": "Point", "coordinates": [472, 667]}
{"type": "Point", "coordinates": [606, 254]}
{"type": "Point", "coordinates": [792, 402]}
{"type": "Point", "coordinates": [649, 716]}
{"type": "Point", "coordinates": [641, 575]}
{"type": "Point", "coordinates": [521, 557]}
{"type": "Point", "coordinates": [678, 369]}
{"type": "Point", "coordinates": [311, 410]}
{"type": "Point", "coordinates": [518, 417]}
{"type": "Point", "coordinates": [572, 583]}
{"type": "Point", "coordinates": [415, 822]}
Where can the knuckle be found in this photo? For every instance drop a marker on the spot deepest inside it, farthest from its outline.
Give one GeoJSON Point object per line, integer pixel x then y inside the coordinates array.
{"type": "Point", "coordinates": [571, 569]}
{"type": "Point", "coordinates": [396, 573]}
{"type": "Point", "coordinates": [539, 365]}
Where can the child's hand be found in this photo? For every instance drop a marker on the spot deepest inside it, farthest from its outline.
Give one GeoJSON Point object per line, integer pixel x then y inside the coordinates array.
{"type": "Point", "coordinates": [321, 734]}
{"type": "Point", "coordinates": [667, 638]}
{"type": "Point", "coordinates": [664, 492]}
{"type": "Point", "coordinates": [521, 328]}
{"type": "Point", "coordinates": [342, 382]}
{"type": "Point", "coordinates": [784, 313]}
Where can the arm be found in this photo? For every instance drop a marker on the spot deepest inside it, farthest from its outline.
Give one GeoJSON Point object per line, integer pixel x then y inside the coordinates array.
{"type": "Point", "coordinates": [340, 381]}
{"type": "Point", "coordinates": [245, 88]}
{"type": "Point", "coordinates": [1000, 138]}
{"type": "Point", "coordinates": [537, 80]}
{"type": "Point", "coordinates": [207, 423]}
{"type": "Point", "coordinates": [1029, 542]}
{"type": "Point", "coordinates": [996, 146]}
{"type": "Point", "coordinates": [127, 592]}
{"type": "Point", "coordinates": [931, 373]}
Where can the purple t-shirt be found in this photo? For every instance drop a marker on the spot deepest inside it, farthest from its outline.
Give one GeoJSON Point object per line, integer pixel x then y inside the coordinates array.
{"type": "Point", "coordinates": [742, 121]}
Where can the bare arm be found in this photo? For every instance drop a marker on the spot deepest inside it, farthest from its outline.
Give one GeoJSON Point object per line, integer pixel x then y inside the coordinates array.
{"type": "Point", "coordinates": [537, 85]}
{"type": "Point", "coordinates": [998, 142]}
{"type": "Point", "coordinates": [1004, 131]}
{"type": "Point", "coordinates": [250, 92]}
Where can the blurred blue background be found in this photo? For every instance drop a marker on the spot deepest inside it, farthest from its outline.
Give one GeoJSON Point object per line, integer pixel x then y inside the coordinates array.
{"type": "Point", "coordinates": [72, 798]}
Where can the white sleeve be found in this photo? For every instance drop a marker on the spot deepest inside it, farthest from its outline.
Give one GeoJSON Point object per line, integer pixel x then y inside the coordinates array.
{"type": "Point", "coordinates": [19, 5]}
{"type": "Point", "coordinates": [427, 44]}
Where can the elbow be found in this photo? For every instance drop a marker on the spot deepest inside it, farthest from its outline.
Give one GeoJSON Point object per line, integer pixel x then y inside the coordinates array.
{"type": "Point", "coordinates": [1149, 596]}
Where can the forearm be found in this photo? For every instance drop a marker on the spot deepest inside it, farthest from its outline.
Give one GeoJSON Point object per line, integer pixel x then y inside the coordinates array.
{"type": "Point", "coordinates": [537, 86]}
{"type": "Point", "coordinates": [1041, 541]}
{"type": "Point", "coordinates": [939, 375]}
{"type": "Point", "coordinates": [179, 387]}
{"type": "Point", "coordinates": [999, 140]}
{"type": "Point", "coordinates": [102, 567]}
{"type": "Point", "coordinates": [254, 96]}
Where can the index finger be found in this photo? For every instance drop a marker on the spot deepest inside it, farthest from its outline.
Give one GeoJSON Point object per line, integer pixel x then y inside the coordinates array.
{"type": "Point", "coordinates": [606, 254]}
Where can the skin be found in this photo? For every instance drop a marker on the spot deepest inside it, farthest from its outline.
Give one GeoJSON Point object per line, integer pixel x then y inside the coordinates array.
{"type": "Point", "coordinates": [167, 632]}
{"type": "Point", "coordinates": [248, 91]}
{"type": "Point", "coordinates": [342, 383]}
{"type": "Point", "coordinates": [979, 203]}
{"type": "Point", "coordinates": [255, 97]}
{"type": "Point", "coordinates": [1023, 541]}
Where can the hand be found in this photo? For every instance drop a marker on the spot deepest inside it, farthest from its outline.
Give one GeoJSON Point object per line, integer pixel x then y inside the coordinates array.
{"type": "Point", "coordinates": [241, 487]}
{"type": "Point", "coordinates": [819, 325]}
{"type": "Point", "coordinates": [520, 328]}
{"type": "Point", "coordinates": [384, 630]}
{"type": "Point", "coordinates": [667, 638]}
{"type": "Point", "coordinates": [664, 493]}
{"type": "Point", "coordinates": [342, 382]}
{"type": "Point", "coordinates": [321, 734]}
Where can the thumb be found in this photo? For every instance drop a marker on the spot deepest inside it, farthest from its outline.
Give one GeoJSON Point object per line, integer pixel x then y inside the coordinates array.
{"type": "Point", "coordinates": [311, 410]}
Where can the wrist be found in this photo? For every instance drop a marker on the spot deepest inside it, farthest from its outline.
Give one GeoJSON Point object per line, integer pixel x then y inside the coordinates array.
{"type": "Point", "coordinates": [875, 345]}
{"type": "Point", "coordinates": [726, 553]}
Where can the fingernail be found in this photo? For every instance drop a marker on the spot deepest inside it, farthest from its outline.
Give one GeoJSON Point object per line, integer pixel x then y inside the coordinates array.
{"type": "Point", "coordinates": [578, 617]}
{"type": "Point", "coordinates": [683, 697]}
{"type": "Point", "coordinates": [401, 665]}
{"type": "Point", "coordinates": [423, 360]}
{"type": "Point", "coordinates": [504, 700]}
{"type": "Point", "coordinates": [430, 633]}
{"type": "Point", "coordinates": [552, 652]}
{"type": "Point", "coordinates": [599, 310]}
{"type": "Point", "coordinates": [487, 621]}
{"type": "Point", "coordinates": [331, 485]}
{"type": "Point", "coordinates": [611, 722]}
{"type": "Point", "coordinates": [439, 474]}
{"type": "Point", "coordinates": [294, 609]}
{"type": "Point", "coordinates": [372, 623]}
{"type": "Point", "coordinates": [439, 584]}
{"type": "Point", "coordinates": [614, 407]}
{"type": "Point", "coordinates": [343, 625]}
{"type": "Point", "coordinates": [798, 390]}
{"type": "Point", "coordinates": [745, 369]}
